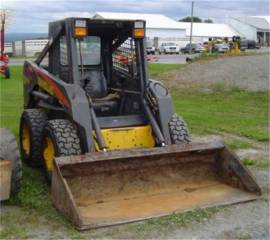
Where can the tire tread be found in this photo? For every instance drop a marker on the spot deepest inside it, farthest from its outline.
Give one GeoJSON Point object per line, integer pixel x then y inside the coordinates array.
{"type": "Point", "coordinates": [178, 130]}
{"type": "Point", "coordinates": [37, 119]}
{"type": "Point", "coordinates": [9, 151]}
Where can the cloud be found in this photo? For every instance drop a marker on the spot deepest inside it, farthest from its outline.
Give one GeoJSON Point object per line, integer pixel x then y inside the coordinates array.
{"type": "Point", "coordinates": [34, 15]}
{"type": "Point", "coordinates": [61, 15]}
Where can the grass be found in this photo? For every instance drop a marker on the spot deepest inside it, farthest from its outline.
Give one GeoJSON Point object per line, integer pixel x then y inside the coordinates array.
{"type": "Point", "coordinates": [244, 236]}
{"type": "Point", "coordinates": [248, 162]}
{"type": "Point", "coordinates": [11, 99]}
{"type": "Point", "coordinates": [239, 144]}
{"type": "Point", "coordinates": [213, 56]}
{"type": "Point", "coordinates": [177, 220]}
{"type": "Point", "coordinates": [156, 69]}
{"type": "Point", "coordinates": [237, 112]}
{"type": "Point", "coordinates": [263, 164]}
{"type": "Point", "coordinates": [14, 231]}
{"type": "Point", "coordinates": [34, 192]}
{"type": "Point", "coordinates": [34, 198]}
{"type": "Point", "coordinates": [259, 164]}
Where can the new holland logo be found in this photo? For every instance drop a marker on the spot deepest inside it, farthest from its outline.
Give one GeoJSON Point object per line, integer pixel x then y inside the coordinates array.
{"type": "Point", "coordinates": [44, 85]}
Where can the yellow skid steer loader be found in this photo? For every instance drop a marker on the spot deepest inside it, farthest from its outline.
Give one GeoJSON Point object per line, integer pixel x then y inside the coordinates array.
{"type": "Point", "coordinates": [107, 136]}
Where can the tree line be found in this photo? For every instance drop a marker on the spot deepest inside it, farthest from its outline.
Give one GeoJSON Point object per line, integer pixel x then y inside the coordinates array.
{"type": "Point", "coordinates": [195, 19]}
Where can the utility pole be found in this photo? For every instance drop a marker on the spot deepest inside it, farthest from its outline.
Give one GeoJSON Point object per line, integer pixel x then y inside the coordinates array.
{"type": "Point", "coordinates": [191, 27]}
{"type": "Point", "coordinates": [3, 21]}
{"type": "Point", "coordinates": [5, 16]}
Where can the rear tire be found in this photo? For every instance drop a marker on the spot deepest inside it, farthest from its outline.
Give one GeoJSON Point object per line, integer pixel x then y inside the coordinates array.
{"type": "Point", "coordinates": [60, 138]}
{"type": "Point", "coordinates": [178, 130]}
{"type": "Point", "coordinates": [9, 151]}
{"type": "Point", "coordinates": [31, 127]}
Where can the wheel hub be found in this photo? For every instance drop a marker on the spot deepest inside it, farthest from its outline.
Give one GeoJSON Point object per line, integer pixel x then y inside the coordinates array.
{"type": "Point", "coordinates": [48, 153]}
{"type": "Point", "coordinates": [26, 140]}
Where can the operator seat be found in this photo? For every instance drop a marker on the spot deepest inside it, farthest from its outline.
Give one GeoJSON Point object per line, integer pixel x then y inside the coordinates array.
{"type": "Point", "coordinates": [96, 87]}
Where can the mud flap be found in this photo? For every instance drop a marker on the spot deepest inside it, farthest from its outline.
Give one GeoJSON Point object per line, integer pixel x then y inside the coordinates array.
{"type": "Point", "coordinates": [102, 189]}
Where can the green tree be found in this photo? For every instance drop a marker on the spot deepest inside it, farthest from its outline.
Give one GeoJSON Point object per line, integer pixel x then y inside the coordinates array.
{"type": "Point", "coordinates": [208, 20]}
{"type": "Point", "coordinates": [188, 19]}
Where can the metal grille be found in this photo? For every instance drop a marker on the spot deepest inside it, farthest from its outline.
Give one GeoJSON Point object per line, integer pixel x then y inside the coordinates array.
{"type": "Point", "coordinates": [63, 51]}
{"type": "Point", "coordinates": [124, 57]}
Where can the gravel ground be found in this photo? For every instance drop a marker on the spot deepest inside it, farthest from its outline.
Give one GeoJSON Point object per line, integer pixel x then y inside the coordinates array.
{"type": "Point", "coordinates": [250, 220]}
{"type": "Point", "coordinates": [242, 221]}
{"type": "Point", "coordinates": [222, 72]}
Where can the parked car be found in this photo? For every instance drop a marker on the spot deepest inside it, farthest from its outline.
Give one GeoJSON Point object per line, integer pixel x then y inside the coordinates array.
{"type": "Point", "coordinates": [250, 44]}
{"type": "Point", "coordinates": [150, 49]}
{"type": "Point", "coordinates": [195, 48]}
{"type": "Point", "coordinates": [253, 44]}
{"type": "Point", "coordinates": [169, 48]}
{"type": "Point", "coordinates": [221, 48]}
{"type": "Point", "coordinates": [200, 48]}
{"type": "Point", "coordinates": [243, 45]}
{"type": "Point", "coordinates": [205, 44]}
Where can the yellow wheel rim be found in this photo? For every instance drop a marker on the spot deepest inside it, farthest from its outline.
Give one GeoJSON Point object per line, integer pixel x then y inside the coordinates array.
{"type": "Point", "coordinates": [48, 153]}
{"type": "Point", "coordinates": [26, 140]}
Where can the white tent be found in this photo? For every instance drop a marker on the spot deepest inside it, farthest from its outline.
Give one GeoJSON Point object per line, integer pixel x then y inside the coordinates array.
{"type": "Point", "coordinates": [209, 30]}
{"type": "Point", "coordinates": [152, 20]}
{"type": "Point", "coordinates": [157, 25]}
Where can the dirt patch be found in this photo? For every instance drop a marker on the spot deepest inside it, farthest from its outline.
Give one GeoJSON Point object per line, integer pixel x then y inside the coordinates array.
{"type": "Point", "coordinates": [252, 74]}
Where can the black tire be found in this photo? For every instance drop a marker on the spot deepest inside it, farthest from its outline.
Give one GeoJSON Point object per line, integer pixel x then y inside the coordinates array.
{"type": "Point", "coordinates": [178, 130]}
{"type": "Point", "coordinates": [7, 73]}
{"type": "Point", "coordinates": [9, 151]}
{"type": "Point", "coordinates": [65, 140]}
{"type": "Point", "coordinates": [34, 120]}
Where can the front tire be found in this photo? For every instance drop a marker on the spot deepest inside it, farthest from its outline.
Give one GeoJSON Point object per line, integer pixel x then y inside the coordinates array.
{"type": "Point", "coordinates": [9, 151]}
{"type": "Point", "coordinates": [31, 128]}
{"type": "Point", "coordinates": [60, 138]}
{"type": "Point", "coordinates": [178, 130]}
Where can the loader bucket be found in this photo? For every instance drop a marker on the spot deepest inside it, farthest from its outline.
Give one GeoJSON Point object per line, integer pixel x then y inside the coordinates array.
{"type": "Point", "coordinates": [102, 189]}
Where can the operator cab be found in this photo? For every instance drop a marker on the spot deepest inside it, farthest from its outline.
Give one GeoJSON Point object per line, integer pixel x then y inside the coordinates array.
{"type": "Point", "coordinates": [102, 57]}
{"type": "Point", "coordinates": [92, 78]}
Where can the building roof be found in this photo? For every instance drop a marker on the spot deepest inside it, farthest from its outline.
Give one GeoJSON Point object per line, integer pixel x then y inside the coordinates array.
{"type": "Point", "coordinates": [152, 20]}
{"type": "Point", "coordinates": [162, 22]}
{"type": "Point", "coordinates": [209, 29]}
{"type": "Point", "coordinates": [260, 22]}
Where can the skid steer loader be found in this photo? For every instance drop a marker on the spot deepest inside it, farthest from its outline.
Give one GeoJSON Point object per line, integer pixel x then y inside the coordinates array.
{"type": "Point", "coordinates": [107, 136]}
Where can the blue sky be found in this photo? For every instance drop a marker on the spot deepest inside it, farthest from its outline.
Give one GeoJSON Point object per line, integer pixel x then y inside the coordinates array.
{"type": "Point", "coordinates": [34, 15]}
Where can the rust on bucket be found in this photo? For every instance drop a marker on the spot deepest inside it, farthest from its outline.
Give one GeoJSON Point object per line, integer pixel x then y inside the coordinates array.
{"type": "Point", "coordinates": [101, 189]}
